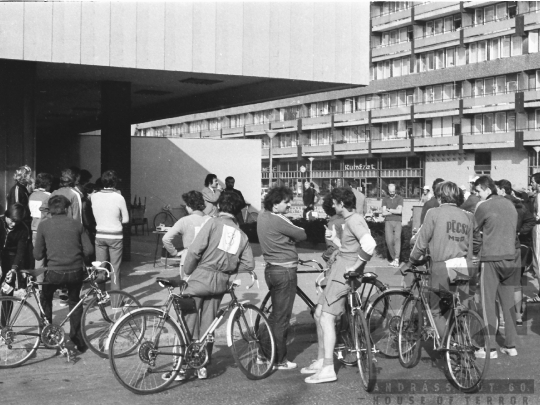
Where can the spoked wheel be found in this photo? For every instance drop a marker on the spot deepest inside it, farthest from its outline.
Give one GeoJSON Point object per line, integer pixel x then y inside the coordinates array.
{"type": "Point", "coordinates": [362, 347]}
{"type": "Point", "coordinates": [369, 290]}
{"type": "Point", "coordinates": [383, 318]}
{"type": "Point", "coordinates": [266, 309]}
{"type": "Point", "coordinates": [163, 218]}
{"type": "Point", "coordinates": [410, 333]}
{"type": "Point", "coordinates": [99, 318]}
{"type": "Point", "coordinates": [20, 330]}
{"type": "Point", "coordinates": [251, 341]}
{"type": "Point", "coordinates": [467, 336]}
{"type": "Point", "coordinates": [144, 357]}
{"type": "Point", "coordinates": [345, 350]}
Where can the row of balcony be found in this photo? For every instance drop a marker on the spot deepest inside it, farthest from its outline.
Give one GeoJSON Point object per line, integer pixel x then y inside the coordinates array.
{"type": "Point", "coordinates": [365, 173]}
{"type": "Point", "coordinates": [415, 143]}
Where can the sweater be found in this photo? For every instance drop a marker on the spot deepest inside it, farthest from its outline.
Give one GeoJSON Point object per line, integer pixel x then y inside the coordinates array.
{"type": "Point", "coordinates": [447, 233]}
{"type": "Point", "coordinates": [75, 200]}
{"type": "Point", "coordinates": [63, 242]}
{"type": "Point", "coordinates": [110, 211]}
{"type": "Point", "coordinates": [277, 237]}
{"type": "Point", "coordinates": [497, 219]}
{"type": "Point", "coordinates": [188, 226]}
{"type": "Point", "coordinates": [37, 198]}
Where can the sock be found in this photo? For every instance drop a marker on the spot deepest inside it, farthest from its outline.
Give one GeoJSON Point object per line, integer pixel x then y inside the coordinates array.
{"type": "Point", "coordinates": [328, 362]}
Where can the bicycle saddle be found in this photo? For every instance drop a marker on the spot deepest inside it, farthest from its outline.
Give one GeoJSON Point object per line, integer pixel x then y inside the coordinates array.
{"type": "Point", "coordinates": [352, 274]}
{"type": "Point", "coordinates": [462, 279]}
{"type": "Point", "coordinates": [34, 273]}
{"type": "Point", "coordinates": [172, 282]}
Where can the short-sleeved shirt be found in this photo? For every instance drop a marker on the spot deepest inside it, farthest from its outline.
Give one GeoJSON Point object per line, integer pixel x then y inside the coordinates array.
{"type": "Point", "coordinates": [392, 204]}
{"type": "Point", "coordinates": [354, 230]}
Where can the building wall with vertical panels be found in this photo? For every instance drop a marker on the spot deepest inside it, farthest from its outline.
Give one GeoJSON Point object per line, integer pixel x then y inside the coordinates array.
{"type": "Point", "coordinates": [276, 40]}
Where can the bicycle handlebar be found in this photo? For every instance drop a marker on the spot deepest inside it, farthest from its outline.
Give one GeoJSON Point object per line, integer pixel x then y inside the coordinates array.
{"type": "Point", "coordinates": [317, 269]}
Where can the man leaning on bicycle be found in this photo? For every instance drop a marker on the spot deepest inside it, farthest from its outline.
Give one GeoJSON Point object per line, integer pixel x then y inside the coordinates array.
{"type": "Point", "coordinates": [355, 249]}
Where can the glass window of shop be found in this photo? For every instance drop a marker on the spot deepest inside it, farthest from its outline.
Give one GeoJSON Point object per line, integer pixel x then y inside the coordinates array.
{"type": "Point", "coordinates": [401, 172]}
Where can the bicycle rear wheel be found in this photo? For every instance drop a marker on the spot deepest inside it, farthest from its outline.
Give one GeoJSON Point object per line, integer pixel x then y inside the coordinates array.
{"type": "Point", "coordinates": [369, 290]}
{"type": "Point", "coordinates": [158, 355]}
{"type": "Point", "coordinates": [20, 331]}
{"type": "Point", "coordinates": [383, 318]}
{"type": "Point", "coordinates": [362, 346]}
{"type": "Point", "coordinates": [98, 319]}
{"type": "Point", "coordinates": [466, 336]}
{"type": "Point", "coordinates": [251, 341]}
{"type": "Point", "coordinates": [163, 218]}
{"type": "Point", "coordinates": [410, 332]}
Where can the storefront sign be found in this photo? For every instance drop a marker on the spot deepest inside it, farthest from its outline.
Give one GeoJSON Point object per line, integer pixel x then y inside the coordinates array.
{"type": "Point", "coordinates": [359, 167]}
{"type": "Point", "coordinates": [266, 169]}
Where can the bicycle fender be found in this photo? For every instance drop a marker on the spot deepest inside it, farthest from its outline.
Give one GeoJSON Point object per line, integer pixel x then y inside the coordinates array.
{"type": "Point", "coordinates": [229, 325]}
{"type": "Point", "coordinates": [134, 312]}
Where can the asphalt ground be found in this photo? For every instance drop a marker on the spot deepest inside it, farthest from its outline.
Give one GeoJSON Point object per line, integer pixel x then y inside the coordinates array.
{"type": "Point", "coordinates": [49, 379]}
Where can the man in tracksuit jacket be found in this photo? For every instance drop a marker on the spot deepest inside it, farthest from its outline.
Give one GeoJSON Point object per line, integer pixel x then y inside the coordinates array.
{"type": "Point", "coordinates": [496, 217]}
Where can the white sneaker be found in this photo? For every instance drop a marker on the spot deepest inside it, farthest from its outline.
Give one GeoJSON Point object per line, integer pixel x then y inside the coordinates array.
{"type": "Point", "coordinates": [313, 368]}
{"type": "Point", "coordinates": [326, 374]}
{"type": "Point", "coordinates": [286, 365]}
{"type": "Point", "coordinates": [511, 351]}
{"type": "Point", "coordinates": [202, 373]}
{"type": "Point", "coordinates": [481, 353]}
{"type": "Point", "coordinates": [395, 263]}
{"type": "Point", "coordinates": [181, 376]}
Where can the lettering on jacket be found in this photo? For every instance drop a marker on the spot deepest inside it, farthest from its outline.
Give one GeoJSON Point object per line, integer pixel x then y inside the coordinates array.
{"type": "Point", "coordinates": [454, 229]}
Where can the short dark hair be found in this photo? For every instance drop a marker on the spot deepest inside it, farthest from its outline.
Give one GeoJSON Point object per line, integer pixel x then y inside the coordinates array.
{"type": "Point", "coordinates": [44, 180]}
{"type": "Point", "coordinates": [536, 177]}
{"type": "Point", "coordinates": [449, 193]}
{"type": "Point", "coordinates": [229, 178]}
{"type": "Point", "coordinates": [109, 179]}
{"type": "Point", "coordinates": [85, 176]}
{"type": "Point", "coordinates": [68, 178]}
{"type": "Point", "coordinates": [209, 179]}
{"type": "Point", "coordinates": [486, 182]}
{"type": "Point", "coordinates": [275, 196]}
{"type": "Point", "coordinates": [230, 202]}
{"type": "Point", "coordinates": [58, 205]}
{"type": "Point", "coordinates": [435, 182]}
{"type": "Point", "coordinates": [506, 186]}
{"type": "Point", "coordinates": [15, 212]}
{"type": "Point", "coordinates": [344, 196]}
{"type": "Point", "coordinates": [194, 200]}
{"type": "Point", "coordinates": [328, 205]}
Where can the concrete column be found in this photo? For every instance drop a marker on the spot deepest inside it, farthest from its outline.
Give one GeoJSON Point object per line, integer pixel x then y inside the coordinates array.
{"type": "Point", "coordinates": [116, 141]}
{"type": "Point", "coordinates": [17, 121]}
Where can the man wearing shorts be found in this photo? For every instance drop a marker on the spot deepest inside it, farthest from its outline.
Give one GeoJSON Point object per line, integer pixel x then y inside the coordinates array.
{"type": "Point", "coordinates": [355, 250]}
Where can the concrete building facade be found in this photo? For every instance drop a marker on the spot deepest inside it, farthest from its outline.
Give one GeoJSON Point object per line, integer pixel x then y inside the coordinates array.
{"type": "Point", "coordinates": [454, 92]}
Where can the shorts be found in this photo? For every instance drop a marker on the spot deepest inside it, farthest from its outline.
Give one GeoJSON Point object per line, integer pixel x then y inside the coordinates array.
{"type": "Point", "coordinates": [333, 297]}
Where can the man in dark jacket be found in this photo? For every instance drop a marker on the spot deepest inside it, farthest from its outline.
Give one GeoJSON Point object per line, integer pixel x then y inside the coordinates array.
{"type": "Point", "coordinates": [525, 224]}
{"type": "Point", "coordinates": [309, 199]}
{"type": "Point", "coordinates": [496, 218]}
{"type": "Point", "coordinates": [432, 203]}
{"type": "Point", "coordinates": [64, 244]}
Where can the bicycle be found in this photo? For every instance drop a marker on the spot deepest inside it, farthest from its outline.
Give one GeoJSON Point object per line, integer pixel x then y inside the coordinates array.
{"type": "Point", "coordinates": [368, 288]}
{"type": "Point", "coordinates": [464, 339]}
{"type": "Point", "coordinates": [249, 216]}
{"type": "Point", "coordinates": [148, 343]}
{"type": "Point", "coordinates": [22, 328]}
{"type": "Point", "coordinates": [164, 218]}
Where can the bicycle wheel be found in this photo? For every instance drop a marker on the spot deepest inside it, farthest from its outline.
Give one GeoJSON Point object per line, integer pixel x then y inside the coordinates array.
{"type": "Point", "coordinates": [362, 346]}
{"type": "Point", "coordinates": [409, 332]}
{"type": "Point", "coordinates": [383, 318]}
{"type": "Point", "coordinates": [369, 290]}
{"type": "Point", "coordinates": [20, 332]}
{"type": "Point", "coordinates": [98, 319]}
{"type": "Point", "coordinates": [163, 218]}
{"type": "Point", "coordinates": [345, 350]}
{"type": "Point", "coordinates": [252, 344]}
{"type": "Point", "coordinates": [466, 336]}
{"type": "Point", "coordinates": [159, 353]}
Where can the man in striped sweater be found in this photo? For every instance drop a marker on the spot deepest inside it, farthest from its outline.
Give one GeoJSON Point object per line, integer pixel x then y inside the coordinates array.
{"type": "Point", "coordinates": [110, 212]}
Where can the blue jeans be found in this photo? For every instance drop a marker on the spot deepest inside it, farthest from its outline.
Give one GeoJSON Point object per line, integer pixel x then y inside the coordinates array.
{"type": "Point", "coordinates": [392, 234]}
{"type": "Point", "coordinates": [282, 282]}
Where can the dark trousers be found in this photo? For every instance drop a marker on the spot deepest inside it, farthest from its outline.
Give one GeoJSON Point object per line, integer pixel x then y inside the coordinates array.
{"type": "Point", "coordinates": [282, 282]}
{"type": "Point", "coordinates": [73, 280]}
{"type": "Point", "coordinates": [306, 211]}
{"type": "Point", "coordinates": [392, 234]}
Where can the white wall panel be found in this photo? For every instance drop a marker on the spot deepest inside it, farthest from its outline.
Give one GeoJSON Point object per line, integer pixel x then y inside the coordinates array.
{"type": "Point", "coordinates": [95, 33]}
{"type": "Point", "coordinates": [229, 48]}
{"type": "Point", "coordinates": [38, 31]}
{"type": "Point", "coordinates": [66, 38]}
{"type": "Point", "coordinates": [179, 36]}
{"type": "Point", "coordinates": [11, 30]}
{"type": "Point", "coordinates": [257, 39]}
{"type": "Point", "coordinates": [324, 44]}
{"type": "Point", "coordinates": [280, 40]}
{"type": "Point", "coordinates": [123, 34]}
{"type": "Point", "coordinates": [204, 37]}
{"type": "Point", "coordinates": [302, 42]}
{"type": "Point", "coordinates": [150, 35]}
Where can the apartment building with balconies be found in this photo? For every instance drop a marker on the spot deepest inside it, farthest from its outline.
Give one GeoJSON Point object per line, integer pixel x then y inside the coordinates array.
{"type": "Point", "coordinates": [454, 91]}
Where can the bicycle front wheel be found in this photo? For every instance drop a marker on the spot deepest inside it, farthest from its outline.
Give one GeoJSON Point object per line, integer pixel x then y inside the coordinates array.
{"type": "Point", "coordinates": [362, 346]}
{"type": "Point", "coordinates": [20, 331]}
{"type": "Point", "coordinates": [158, 355]}
{"type": "Point", "coordinates": [383, 318]}
{"type": "Point", "coordinates": [163, 218]}
{"type": "Point", "coordinates": [251, 341]}
{"type": "Point", "coordinates": [99, 318]}
{"type": "Point", "coordinates": [466, 337]}
{"type": "Point", "coordinates": [410, 333]}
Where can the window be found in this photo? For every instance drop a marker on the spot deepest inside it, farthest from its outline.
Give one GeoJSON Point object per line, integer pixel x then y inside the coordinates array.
{"type": "Point", "coordinates": [393, 99]}
{"type": "Point", "coordinates": [439, 26]}
{"type": "Point", "coordinates": [437, 91]}
{"type": "Point", "coordinates": [387, 67]}
{"type": "Point", "coordinates": [473, 53]}
{"type": "Point", "coordinates": [393, 37]}
{"type": "Point", "coordinates": [489, 14]}
{"type": "Point", "coordinates": [479, 88]}
{"type": "Point", "coordinates": [405, 66]}
{"type": "Point", "coordinates": [361, 103]}
{"type": "Point", "coordinates": [494, 49]}
{"type": "Point", "coordinates": [428, 128]}
{"type": "Point", "coordinates": [500, 84]}
{"type": "Point", "coordinates": [511, 121]}
{"type": "Point", "coordinates": [478, 16]}
{"type": "Point", "coordinates": [501, 11]}
{"type": "Point", "coordinates": [512, 9]}
{"type": "Point", "coordinates": [500, 122]}
{"type": "Point", "coordinates": [477, 127]}
{"type": "Point", "coordinates": [489, 87]}
{"type": "Point", "coordinates": [482, 51]}
{"type": "Point", "coordinates": [517, 42]}
{"type": "Point", "coordinates": [511, 83]}
{"type": "Point", "coordinates": [450, 53]}
{"type": "Point", "coordinates": [403, 37]}
{"type": "Point", "coordinates": [505, 50]}
{"type": "Point", "coordinates": [348, 106]}
{"type": "Point", "coordinates": [448, 93]}
{"type": "Point", "coordinates": [448, 24]}
{"type": "Point", "coordinates": [439, 59]}
{"type": "Point", "coordinates": [430, 61]}
{"type": "Point", "coordinates": [397, 67]}
{"type": "Point", "coordinates": [482, 162]}
{"type": "Point", "coordinates": [488, 123]}
{"type": "Point", "coordinates": [402, 97]}
{"type": "Point", "coordinates": [429, 28]}
{"type": "Point", "coordinates": [537, 119]}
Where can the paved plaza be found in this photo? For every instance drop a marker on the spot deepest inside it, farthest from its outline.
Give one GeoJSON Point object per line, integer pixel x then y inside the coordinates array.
{"type": "Point", "coordinates": [48, 379]}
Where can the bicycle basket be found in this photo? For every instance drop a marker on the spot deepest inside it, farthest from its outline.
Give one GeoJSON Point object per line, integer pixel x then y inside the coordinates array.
{"type": "Point", "coordinates": [185, 305]}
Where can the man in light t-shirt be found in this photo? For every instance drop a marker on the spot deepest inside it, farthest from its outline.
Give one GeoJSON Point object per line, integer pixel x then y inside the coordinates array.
{"type": "Point", "coordinates": [110, 211]}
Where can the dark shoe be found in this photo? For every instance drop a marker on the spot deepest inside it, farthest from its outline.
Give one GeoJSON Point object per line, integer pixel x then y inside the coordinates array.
{"type": "Point", "coordinates": [82, 349]}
